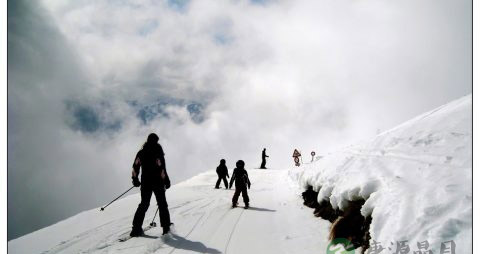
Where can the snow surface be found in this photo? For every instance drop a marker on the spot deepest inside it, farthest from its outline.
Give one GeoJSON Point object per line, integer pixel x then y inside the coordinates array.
{"type": "Point", "coordinates": [416, 179]}
{"type": "Point", "coordinates": [276, 222]}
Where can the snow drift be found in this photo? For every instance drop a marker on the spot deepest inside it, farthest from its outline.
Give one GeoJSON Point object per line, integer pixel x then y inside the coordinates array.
{"type": "Point", "coordinates": [416, 179]}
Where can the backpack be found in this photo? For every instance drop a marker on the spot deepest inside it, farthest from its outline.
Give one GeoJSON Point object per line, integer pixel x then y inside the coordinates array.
{"type": "Point", "coordinates": [242, 176]}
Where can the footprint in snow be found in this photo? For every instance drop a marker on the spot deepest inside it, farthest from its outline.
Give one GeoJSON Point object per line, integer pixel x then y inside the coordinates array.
{"type": "Point", "coordinates": [448, 159]}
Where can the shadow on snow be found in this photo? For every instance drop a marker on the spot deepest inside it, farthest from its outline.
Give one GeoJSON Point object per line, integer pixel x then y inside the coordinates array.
{"type": "Point", "coordinates": [179, 242]}
{"type": "Point", "coordinates": [261, 209]}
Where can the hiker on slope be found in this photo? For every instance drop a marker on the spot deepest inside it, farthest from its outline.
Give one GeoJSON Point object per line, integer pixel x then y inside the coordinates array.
{"type": "Point", "coordinates": [240, 177]}
{"type": "Point", "coordinates": [222, 172]}
{"type": "Point", "coordinates": [151, 159]}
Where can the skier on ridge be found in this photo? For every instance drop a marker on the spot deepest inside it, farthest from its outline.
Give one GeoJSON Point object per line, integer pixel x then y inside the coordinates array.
{"type": "Point", "coordinates": [264, 159]}
{"type": "Point", "coordinates": [154, 179]}
{"type": "Point", "coordinates": [222, 172]}
{"type": "Point", "coordinates": [240, 177]}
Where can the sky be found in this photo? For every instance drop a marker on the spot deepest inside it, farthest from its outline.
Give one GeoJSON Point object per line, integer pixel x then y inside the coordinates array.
{"type": "Point", "coordinates": [89, 80]}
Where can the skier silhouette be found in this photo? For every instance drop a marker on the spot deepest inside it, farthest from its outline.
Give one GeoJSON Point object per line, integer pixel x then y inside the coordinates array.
{"type": "Point", "coordinates": [264, 159]}
{"type": "Point", "coordinates": [222, 172]}
{"type": "Point", "coordinates": [240, 177]}
{"type": "Point", "coordinates": [154, 179]}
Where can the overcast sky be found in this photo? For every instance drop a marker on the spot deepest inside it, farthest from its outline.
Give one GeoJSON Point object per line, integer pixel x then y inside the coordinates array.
{"type": "Point", "coordinates": [89, 80]}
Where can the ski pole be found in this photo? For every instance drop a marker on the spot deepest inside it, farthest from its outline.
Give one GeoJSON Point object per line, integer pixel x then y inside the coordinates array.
{"type": "Point", "coordinates": [103, 208]}
{"type": "Point", "coordinates": [153, 224]}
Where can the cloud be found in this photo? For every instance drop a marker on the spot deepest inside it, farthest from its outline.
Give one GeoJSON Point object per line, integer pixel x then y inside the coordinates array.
{"type": "Point", "coordinates": [88, 80]}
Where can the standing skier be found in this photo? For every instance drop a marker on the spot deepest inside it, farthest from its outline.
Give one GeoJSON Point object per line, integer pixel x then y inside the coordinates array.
{"type": "Point", "coordinates": [240, 177]}
{"type": "Point", "coordinates": [154, 179]}
{"type": "Point", "coordinates": [264, 159]}
{"type": "Point", "coordinates": [222, 172]}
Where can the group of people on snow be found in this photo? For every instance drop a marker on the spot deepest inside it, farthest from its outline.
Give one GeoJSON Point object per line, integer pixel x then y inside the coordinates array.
{"type": "Point", "coordinates": [154, 179]}
{"type": "Point", "coordinates": [239, 177]}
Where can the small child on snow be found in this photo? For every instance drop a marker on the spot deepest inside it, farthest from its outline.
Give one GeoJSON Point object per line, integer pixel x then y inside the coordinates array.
{"type": "Point", "coordinates": [222, 172]}
{"type": "Point", "coordinates": [240, 177]}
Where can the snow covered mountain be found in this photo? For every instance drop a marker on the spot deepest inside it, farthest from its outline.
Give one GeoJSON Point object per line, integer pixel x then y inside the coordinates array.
{"type": "Point", "coordinates": [415, 180]}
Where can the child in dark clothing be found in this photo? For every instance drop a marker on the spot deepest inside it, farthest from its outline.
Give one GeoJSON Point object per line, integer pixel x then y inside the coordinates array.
{"type": "Point", "coordinates": [240, 177]}
{"type": "Point", "coordinates": [222, 172]}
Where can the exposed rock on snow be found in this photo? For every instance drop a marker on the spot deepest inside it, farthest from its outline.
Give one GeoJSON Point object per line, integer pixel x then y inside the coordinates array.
{"type": "Point", "coordinates": [347, 224]}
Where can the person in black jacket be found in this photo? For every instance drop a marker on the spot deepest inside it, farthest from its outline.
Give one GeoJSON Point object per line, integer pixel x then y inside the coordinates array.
{"type": "Point", "coordinates": [151, 159]}
{"type": "Point", "coordinates": [264, 159]}
{"type": "Point", "coordinates": [240, 177]}
{"type": "Point", "coordinates": [222, 172]}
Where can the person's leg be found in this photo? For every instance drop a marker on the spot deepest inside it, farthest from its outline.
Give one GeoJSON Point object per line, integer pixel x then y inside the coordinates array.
{"type": "Point", "coordinates": [146, 194]}
{"type": "Point", "coordinates": [164, 214]}
{"type": "Point", "coordinates": [246, 200]}
{"type": "Point", "coordinates": [217, 185]}
{"type": "Point", "coordinates": [263, 164]}
{"type": "Point", "coordinates": [235, 197]}
{"type": "Point", "coordinates": [225, 182]}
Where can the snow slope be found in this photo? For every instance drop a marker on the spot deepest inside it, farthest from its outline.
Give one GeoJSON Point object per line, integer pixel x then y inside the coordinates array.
{"type": "Point", "coordinates": [416, 179]}
{"type": "Point", "coordinates": [204, 222]}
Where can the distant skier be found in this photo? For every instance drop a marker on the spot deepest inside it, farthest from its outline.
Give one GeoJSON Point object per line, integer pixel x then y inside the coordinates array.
{"type": "Point", "coordinates": [222, 172]}
{"type": "Point", "coordinates": [240, 177]}
{"type": "Point", "coordinates": [154, 179]}
{"type": "Point", "coordinates": [264, 159]}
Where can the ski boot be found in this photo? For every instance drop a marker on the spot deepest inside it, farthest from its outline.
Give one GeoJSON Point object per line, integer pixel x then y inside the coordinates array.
{"type": "Point", "coordinates": [136, 232]}
{"type": "Point", "coordinates": [166, 230]}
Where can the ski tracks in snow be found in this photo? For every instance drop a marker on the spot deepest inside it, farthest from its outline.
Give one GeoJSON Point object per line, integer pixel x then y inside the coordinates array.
{"type": "Point", "coordinates": [233, 231]}
{"type": "Point", "coordinates": [206, 223]}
